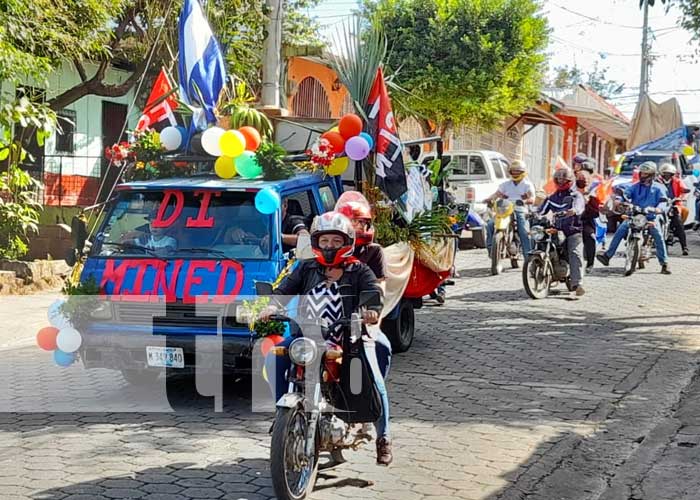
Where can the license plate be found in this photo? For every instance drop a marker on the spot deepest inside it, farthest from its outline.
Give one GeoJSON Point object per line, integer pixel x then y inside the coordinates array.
{"type": "Point", "coordinates": [466, 234]}
{"type": "Point", "coordinates": [167, 357]}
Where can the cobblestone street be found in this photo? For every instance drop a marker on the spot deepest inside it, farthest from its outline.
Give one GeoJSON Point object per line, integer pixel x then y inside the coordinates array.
{"type": "Point", "coordinates": [500, 397]}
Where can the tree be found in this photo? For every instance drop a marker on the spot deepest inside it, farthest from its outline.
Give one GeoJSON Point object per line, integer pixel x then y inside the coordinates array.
{"type": "Point", "coordinates": [463, 62]}
{"type": "Point", "coordinates": [597, 79]}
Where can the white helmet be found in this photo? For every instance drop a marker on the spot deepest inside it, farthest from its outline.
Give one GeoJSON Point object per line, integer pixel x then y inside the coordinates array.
{"type": "Point", "coordinates": [668, 168]}
{"type": "Point", "coordinates": [332, 223]}
{"type": "Point", "coordinates": [518, 166]}
{"type": "Point", "coordinates": [648, 167]}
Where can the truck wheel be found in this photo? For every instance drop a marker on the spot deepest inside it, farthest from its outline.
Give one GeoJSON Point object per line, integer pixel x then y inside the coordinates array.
{"type": "Point", "coordinates": [137, 377]}
{"type": "Point", "coordinates": [401, 330]}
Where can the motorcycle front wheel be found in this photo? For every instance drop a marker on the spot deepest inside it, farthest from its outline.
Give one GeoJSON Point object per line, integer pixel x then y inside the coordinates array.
{"type": "Point", "coordinates": [536, 277]}
{"type": "Point", "coordinates": [293, 472]}
{"type": "Point", "coordinates": [632, 255]}
{"type": "Point", "coordinates": [497, 251]}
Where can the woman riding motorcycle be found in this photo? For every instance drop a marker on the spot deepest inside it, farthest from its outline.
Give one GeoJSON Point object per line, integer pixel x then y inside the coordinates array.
{"type": "Point", "coordinates": [676, 189]}
{"type": "Point", "coordinates": [320, 281]}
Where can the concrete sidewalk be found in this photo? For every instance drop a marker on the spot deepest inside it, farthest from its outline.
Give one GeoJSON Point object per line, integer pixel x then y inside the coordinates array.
{"type": "Point", "coordinates": [20, 318]}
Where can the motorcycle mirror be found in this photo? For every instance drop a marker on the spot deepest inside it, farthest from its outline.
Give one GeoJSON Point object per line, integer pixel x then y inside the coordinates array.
{"type": "Point", "coordinates": [263, 288]}
{"type": "Point", "coordinates": [370, 298]}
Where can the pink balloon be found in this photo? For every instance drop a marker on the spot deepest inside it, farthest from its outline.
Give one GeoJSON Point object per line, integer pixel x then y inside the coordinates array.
{"type": "Point", "coordinates": [357, 148]}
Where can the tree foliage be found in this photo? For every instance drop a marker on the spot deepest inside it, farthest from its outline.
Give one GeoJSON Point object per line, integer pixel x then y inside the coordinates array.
{"type": "Point", "coordinates": [464, 62]}
{"type": "Point", "coordinates": [597, 79]}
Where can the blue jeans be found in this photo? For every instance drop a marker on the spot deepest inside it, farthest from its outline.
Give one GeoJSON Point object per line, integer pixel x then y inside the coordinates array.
{"type": "Point", "coordinates": [697, 210]}
{"type": "Point", "coordinates": [378, 355]}
{"type": "Point", "coordinates": [522, 233]}
{"type": "Point", "coordinates": [659, 242]}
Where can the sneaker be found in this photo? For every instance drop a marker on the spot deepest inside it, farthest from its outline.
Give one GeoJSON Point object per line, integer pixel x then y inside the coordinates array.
{"type": "Point", "coordinates": [384, 456]}
{"type": "Point", "coordinates": [440, 298]}
{"type": "Point", "coordinates": [665, 269]}
{"type": "Point", "coordinates": [685, 251]}
{"type": "Point", "coordinates": [696, 226]}
{"type": "Point", "coordinates": [603, 259]}
{"type": "Point", "coordinates": [589, 269]}
{"type": "Point", "coordinates": [579, 291]}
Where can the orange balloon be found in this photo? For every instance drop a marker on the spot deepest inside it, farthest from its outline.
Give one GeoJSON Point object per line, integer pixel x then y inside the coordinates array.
{"type": "Point", "coordinates": [336, 140]}
{"type": "Point", "coordinates": [46, 338]}
{"type": "Point", "coordinates": [350, 125]}
{"type": "Point", "coordinates": [252, 138]}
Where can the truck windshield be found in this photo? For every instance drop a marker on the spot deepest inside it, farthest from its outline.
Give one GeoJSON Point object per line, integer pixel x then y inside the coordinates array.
{"type": "Point", "coordinates": [182, 224]}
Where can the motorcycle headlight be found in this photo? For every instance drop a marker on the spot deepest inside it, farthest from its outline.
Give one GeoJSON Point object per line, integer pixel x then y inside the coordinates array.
{"type": "Point", "coordinates": [537, 233]}
{"type": "Point", "coordinates": [102, 311]}
{"type": "Point", "coordinates": [303, 351]}
{"type": "Point", "coordinates": [639, 220]}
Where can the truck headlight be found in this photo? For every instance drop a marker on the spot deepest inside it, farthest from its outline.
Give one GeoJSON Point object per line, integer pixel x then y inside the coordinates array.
{"type": "Point", "coordinates": [303, 351]}
{"type": "Point", "coordinates": [103, 310]}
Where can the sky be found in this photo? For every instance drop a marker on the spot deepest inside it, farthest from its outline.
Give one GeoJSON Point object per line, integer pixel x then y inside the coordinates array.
{"type": "Point", "coordinates": [608, 32]}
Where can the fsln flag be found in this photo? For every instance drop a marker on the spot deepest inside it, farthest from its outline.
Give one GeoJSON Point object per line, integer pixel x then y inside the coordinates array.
{"type": "Point", "coordinates": [201, 67]}
{"type": "Point", "coordinates": [160, 105]}
{"type": "Point", "coordinates": [390, 172]}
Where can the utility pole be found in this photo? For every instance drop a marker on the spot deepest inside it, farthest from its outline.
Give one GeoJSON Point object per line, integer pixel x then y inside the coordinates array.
{"type": "Point", "coordinates": [272, 55]}
{"type": "Point", "coordinates": [644, 78]}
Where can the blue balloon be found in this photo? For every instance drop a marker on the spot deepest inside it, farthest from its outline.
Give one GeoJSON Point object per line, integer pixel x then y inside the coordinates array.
{"type": "Point", "coordinates": [63, 358]}
{"type": "Point", "coordinates": [183, 133]}
{"type": "Point", "coordinates": [696, 172]}
{"type": "Point", "coordinates": [267, 201]}
{"type": "Point", "coordinates": [368, 138]}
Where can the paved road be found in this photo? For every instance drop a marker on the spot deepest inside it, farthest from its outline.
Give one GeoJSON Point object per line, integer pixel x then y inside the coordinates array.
{"type": "Point", "coordinates": [500, 397]}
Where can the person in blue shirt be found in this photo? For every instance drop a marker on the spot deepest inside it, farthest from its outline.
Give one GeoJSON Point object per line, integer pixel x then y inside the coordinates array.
{"type": "Point", "coordinates": [645, 194]}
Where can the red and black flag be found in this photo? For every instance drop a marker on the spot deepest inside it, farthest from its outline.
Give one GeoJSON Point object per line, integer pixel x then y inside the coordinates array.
{"type": "Point", "coordinates": [390, 173]}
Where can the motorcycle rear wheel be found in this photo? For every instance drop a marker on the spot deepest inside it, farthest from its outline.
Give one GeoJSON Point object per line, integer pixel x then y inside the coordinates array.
{"type": "Point", "coordinates": [632, 256]}
{"type": "Point", "coordinates": [288, 435]}
{"type": "Point", "coordinates": [497, 251]}
{"type": "Point", "coordinates": [536, 278]}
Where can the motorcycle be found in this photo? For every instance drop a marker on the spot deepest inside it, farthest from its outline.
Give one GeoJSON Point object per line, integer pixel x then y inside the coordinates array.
{"type": "Point", "coordinates": [548, 263]}
{"type": "Point", "coordinates": [506, 243]}
{"type": "Point", "coordinates": [672, 211]}
{"type": "Point", "coordinates": [639, 242]}
{"type": "Point", "coordinates": [316, 415]}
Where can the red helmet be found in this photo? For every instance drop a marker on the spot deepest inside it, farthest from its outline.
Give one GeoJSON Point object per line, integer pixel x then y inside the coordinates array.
{"type": "Point", "coordinates": [332, 223]}
{"type": "Point", "coordinates": [359, 211]}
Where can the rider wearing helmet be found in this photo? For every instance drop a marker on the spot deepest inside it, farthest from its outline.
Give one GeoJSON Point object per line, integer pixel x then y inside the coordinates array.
{"type": "Point", "coordinates": [675, 189]}
{"type": "Point", "coordinates": [517, 188]}
{"type": "Point", "coordinates": [648, 195]}
{"type": "Point", "coordinates": [320, 281]}
{"type": "Point", "coordinates": [569, 199]}
{"type": "Point", "coordinates": [578, 162]}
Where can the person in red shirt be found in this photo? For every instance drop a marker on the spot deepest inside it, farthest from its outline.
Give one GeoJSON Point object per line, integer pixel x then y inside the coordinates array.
{"type": "Point", "coordinates": [676, 190]}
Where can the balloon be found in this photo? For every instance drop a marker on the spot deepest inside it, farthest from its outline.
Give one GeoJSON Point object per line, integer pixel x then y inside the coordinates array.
{"type": "Point", "coordinates": [247, 165]}
{"type": "Point", "coordinates": [210, 140]}
{"type": "Point", "coordinates": [46, 338]}
{"type": "Point", "coordinates": [336, 140]}
{"type": "Point", "coordinates": [171, 138]}
{"type": "Point", "coordinates": [225, 167]}
{"type": "Point", "coordinates": [696, 172]}
{"type": "Point", "coordinates": [688, 150]}
{"type": "Point", "coordinates": [350, 125]}
{"type": "Point", "coordinates": [267, 201]}
{"type": "Point", "coordinates": [63, 359]}
{"type": "Point", "coordinates": [56, 317]}
{"type": "Point", "coordinates": [357, 148]}
{"type": "Point", "coordinates": [338, 166]}
{"type": "Point", "coordinates": [69, 339]}
{"type": "Point", "coordinates": [335, 129]}
{"type": "Point", "coordinates": [232, 143]}
{"type": "Point", "coordinates": [252, 138]}
{"type": "Point", "coordinates": [368, 138]}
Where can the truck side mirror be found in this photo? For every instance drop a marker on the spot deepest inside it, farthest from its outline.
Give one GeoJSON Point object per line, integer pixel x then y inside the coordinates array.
{"type": "Point", "coordinates": [79, 233]}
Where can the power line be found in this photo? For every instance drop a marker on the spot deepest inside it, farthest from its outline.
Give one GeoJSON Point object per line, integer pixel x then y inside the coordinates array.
{"type": "Point", "coordinates": [598, 20]}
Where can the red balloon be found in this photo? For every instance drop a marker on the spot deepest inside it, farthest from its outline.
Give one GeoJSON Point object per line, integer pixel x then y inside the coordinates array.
{"type": "Point", "coordinates": [46, 338]}
{"type": "Point", "coordinates": [350, 125]}
{"type": "Point", "coordinates": [336, 140]}
{"type": "Point", "coordinates": [269, 342]}
{"type": "Point", "coordinates": [252, 138]}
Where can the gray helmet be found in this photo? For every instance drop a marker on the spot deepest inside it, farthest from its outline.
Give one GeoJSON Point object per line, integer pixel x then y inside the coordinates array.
{"type": "Point", "coordinates": [518, 166]}
{"type": "Point", "coordinates": [667, 168]}
{"type": "Point", "coordinates": [563, 174]}
{"type": "Point", "coordinates": [648, 167]}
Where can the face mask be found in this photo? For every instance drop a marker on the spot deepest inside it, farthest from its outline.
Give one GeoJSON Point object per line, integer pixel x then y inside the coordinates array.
{"type": "Point", "coordinates": [517, 177]}
{"type": "Point", "coordinates": [581, 183]}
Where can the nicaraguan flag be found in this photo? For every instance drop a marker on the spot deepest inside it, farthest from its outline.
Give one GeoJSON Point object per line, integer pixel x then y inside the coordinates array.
{"type": "Point", "coordinates": [201, 66]}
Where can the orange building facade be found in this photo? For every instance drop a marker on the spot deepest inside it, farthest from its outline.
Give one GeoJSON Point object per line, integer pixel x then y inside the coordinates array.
{"type": "Point", "coordinates": [314, 91]}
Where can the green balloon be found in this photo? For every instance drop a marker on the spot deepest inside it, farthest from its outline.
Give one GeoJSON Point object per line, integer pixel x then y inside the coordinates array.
{"type": "Point", "coordinates": [247, 165]}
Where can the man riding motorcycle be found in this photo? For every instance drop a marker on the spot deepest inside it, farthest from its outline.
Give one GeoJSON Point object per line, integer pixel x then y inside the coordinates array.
{"type": "Point", "coordinates": [320, 281]}
{"type": "Point", "coordinates": [567, 197]}
{"type": "Point", "coordinates": [518, 188]}
{"type": "Point", "coordinates": [676, 190]}
{"type": "Point", "coordinates": [648, 195]}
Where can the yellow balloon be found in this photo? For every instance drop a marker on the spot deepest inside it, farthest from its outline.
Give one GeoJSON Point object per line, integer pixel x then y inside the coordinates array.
{"type": "Point", "coordinates": [232, 143]}
{"type": "Point", "coordinates": [338, 166]}
{"type": "Point", "coordinates": [225, 167]}
{"type": "Point", "coordinates": [335, 129]}
{"type": "Point", "coordinates": [688, 151]}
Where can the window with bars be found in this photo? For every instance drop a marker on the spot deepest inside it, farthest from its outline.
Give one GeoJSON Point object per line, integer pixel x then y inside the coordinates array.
{"type": "Point", "coordinates": [65, 142]}
{"type": "Point", "coordinates": [311, 100]}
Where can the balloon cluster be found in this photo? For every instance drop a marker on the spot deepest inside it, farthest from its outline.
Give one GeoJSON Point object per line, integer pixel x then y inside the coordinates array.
{"type": "Point", "coordinates": [60, 338]}
{"type": "Point", "coordinates": [348, 139]}
{"type": "Point", "coordinates": [235, 150]}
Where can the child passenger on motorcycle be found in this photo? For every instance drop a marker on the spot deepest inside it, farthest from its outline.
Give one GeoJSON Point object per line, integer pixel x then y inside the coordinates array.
{"type": "Point", "coordinates": [676, 189]}
{"type": "Point", "coordinates": [646, 194]}
{"type": "Point", "coordinates": [517, 188]}
{"type": "Point", "coordinates": [334, 276]}
{"type": "Point", "coordinates": [568, 204]}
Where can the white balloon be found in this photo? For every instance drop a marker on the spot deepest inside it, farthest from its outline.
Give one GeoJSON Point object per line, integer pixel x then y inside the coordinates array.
{"type": "Point", "coordinates": [69, 339]}
{"type": "Point", "coordinates": [171, 138]}
{"type": "Point", "coordinates": [210, 140]}
{"type": "Point", "coordinates": [56, 318]}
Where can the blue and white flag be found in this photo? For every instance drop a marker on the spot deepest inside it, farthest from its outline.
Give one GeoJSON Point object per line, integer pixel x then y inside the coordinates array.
{"type": "Point", "coordinates": [201, 66]}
